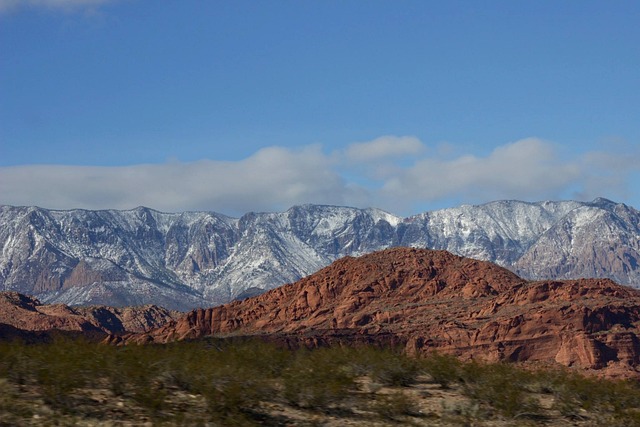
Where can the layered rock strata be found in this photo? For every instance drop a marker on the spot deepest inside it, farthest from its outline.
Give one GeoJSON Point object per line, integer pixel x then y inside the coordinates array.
{"type": "Point", "coordinates": [433, 300]}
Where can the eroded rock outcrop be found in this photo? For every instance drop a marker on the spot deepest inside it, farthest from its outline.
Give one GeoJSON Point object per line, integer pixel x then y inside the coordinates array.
{"type": "Point", "coordinates": [433, 300]}
{"type": "Point", "coordinates": [25, 313]}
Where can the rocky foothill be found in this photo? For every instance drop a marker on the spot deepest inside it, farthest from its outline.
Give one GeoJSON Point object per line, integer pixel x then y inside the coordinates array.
{"type": "Point", "coordinates": [430, 300]}
{"type": "Point", "coordinates": [22, 316]}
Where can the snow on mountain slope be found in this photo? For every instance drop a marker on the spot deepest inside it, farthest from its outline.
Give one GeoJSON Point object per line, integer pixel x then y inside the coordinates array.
{"type": "Point", "coordinates": [499, 231]}
{"type": "Point", "coordinates": [596, 240]}
{"type": "Point", "coordinates": [190, 259]}
{"type": "Point", "coordinates": [266, 252]}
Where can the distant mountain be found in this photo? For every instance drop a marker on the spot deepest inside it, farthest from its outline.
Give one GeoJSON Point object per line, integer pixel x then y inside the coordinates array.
{"type": "Point", "coordinates": [197, 259]}
{"type": "Point", "coordinates": [425, 300]}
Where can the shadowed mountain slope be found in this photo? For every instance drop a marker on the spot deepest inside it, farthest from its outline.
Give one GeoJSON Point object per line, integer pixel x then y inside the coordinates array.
{"type": "Point", "coordinates": [23, 313]}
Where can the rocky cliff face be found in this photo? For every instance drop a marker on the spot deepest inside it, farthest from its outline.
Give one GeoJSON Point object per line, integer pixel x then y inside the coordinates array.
{"type": "Point", "coordinates": [434, 300]}
{"type": "Point", "coordinates": [198, 259]}
{"type": "Point", "coordinates": [25, 313]}
{"type": "Point", "coordinates": [593, 240]}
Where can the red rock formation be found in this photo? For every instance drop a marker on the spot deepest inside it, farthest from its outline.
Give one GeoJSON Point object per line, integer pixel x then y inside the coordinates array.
{"type": "Point", "coordinates": [433, 300]}
{"type": "Point", "coordinates": [28, 314]}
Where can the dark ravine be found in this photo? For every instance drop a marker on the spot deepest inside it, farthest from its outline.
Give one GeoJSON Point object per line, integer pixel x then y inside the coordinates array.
{"type": "Point", "coordinates": [433, 300]}
{"type": "Point", "coordinates": [199, 259]}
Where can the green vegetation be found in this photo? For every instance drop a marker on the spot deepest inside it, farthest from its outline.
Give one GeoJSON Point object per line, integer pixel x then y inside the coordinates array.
{"type": "Point", "coordinates": [502, 387]}
{"type": "Point", "coordinates": [249, 382]}
{"type": "Point", "coordinates": [317, 379]}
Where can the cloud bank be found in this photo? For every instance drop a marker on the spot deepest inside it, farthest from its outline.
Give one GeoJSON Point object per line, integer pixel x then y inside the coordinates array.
{"type": "Point", "coordinates": [383, 147]}
{"type": "Point", "coordinates": [399, 174]}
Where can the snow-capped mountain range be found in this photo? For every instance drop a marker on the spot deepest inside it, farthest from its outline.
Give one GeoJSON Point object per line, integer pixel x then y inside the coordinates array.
{"type": "Point", "coordinates": [191, 259]}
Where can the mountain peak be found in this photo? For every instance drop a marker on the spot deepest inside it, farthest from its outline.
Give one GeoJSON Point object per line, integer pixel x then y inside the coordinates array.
{"type": "Point", "coordinates": [601, 201]}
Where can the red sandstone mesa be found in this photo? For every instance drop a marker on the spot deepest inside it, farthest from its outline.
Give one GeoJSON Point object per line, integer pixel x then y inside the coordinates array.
{"type": "Point", "coordinates": [433, 300]}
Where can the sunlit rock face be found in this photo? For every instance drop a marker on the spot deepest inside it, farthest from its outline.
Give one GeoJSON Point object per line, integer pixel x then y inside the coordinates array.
{"type": "Point", "coordinates": [429, 300]}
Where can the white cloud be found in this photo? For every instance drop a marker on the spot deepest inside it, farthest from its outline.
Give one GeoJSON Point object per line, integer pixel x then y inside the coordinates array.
{"type": "Point", "coordinates": [528, 169]}
{"type": "Point", "coordinates": [609, 173]}
{"type": "Point", "coordinates": [275, 178]}
{"type": "Point", "coordinates": [524, 169]}
{"type": "Point", "coordinates": [272, 178]}
{"type": "Point", "coordinates": [383, 148]}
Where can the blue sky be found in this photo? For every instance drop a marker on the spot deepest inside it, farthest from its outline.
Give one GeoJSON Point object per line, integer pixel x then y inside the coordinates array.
{"type": "Point", "coordinates": [237, 106]}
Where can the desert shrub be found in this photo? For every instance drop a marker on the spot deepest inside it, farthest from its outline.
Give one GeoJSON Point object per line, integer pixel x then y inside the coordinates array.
{"type": "Point", "coordinates": [227, 382]}
{"type": "Point", "coordinates": [388, 367]}
{"type": "Point", "coordinates": [16, 365]}
{"type": "Point", "coordinates": [11, 406]}
{"type": "Point", "coordinates": [132, 367]}
{"type": "Point", "coordinates": [623, 399]}
{"type": "Point", "coordinates": [393, 405]}
{"type": "Point", "coordinates": [396, 371]}
{"type": "Point", "coordinates": [151, 397]}
{"type": "Point", "coordinates": [501, 386]}
{"type": "Point", "coordinates": [63, 363]}
{"type": "Point", "coordinates": [573, 392]}
{"type": "Point", "coordinates": [62, 367]}
{"type": "Point", "coordinates": [265, 359]}
{"type": "Point", "coordinates": [234, 391]}
{"type": "Point", "coordinates": [465, 413]}
{"type": "Point", "coordinates": [443, 369]}
{"type": "Point", "coordinates": [232, 377]}
{"type": "Point", "coordinates": [186, 365]}
{"type": "Point", "coordinates": [315, 379]}
{"type": "Point", "coordinates": [232, 402]}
